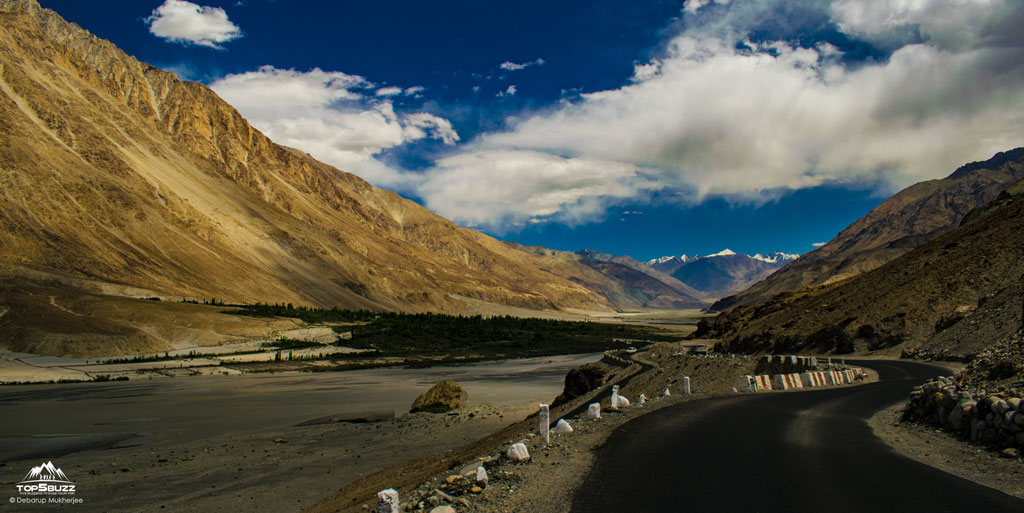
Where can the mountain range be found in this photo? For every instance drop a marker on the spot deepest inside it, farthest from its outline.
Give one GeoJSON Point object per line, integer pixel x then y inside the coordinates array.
{"type": "Point", "coordinates": [957, 291]}
{"type": "Point", "coordinates": [912, 217]}
{"type": "Point", "coordinates": [721, 273]}
{"type": "Point", "coordinates": [117, 172]}
{"type": "Point", "coordinates": [120, 179]}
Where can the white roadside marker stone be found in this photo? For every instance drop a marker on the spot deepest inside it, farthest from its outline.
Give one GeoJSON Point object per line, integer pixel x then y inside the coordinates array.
{"type": "Point", "coordinates": [666, 392]}
{"type": "Point", "coordinates": [545, 423]}
{"type": "Point", "coordinates": [387, 501]}
{"type": "Point", "coordinates": [615, 397]}
{"type": "Point", "coordinates": [518, 452]}
{"type": "Point", "coordinates": [563, 427]}
{"type": "Point", "coordinates": [481, 475]}
{"type": "Point", "coordinates": [686, 384]}
{"type": "Point", "coordinates": [642, 399]}
{"type": "Point", "coordinates": [594, 411]}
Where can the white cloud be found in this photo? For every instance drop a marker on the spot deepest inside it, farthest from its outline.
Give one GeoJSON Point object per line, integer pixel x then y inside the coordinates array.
{"type": "Point", "coordinates": [504, 189]}
{"type": "Point", "coordinates": [328, 115]}
{"type": "Point", "coordinates": [189, 23]}
{"type": "Point", "coordinates": [389, 91]}
{"type": "Point", "coordinates": [409, 91]}
{"type": "Point", "coordinates": [722, 120]}
{"type": "Point", "coordinates": [512, 66]}
{"type": "Point", "coordinates": [942, 23]}
{"type": "Point", "coordinates": [818, 244]}
{"type": "Point", "coordinates": [422, 124]}
{"type": "Point", "coordinates": [713, 114]}
{"type": "Point", "coordinates": [692, 6]}
{"type": "Point", "coordinates": [647, 71]}
{"type": "Point", "coordinates": [719, 115]}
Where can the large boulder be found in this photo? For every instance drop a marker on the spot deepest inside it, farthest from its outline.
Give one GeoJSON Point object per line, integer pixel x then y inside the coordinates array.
{"type": "Point", "coordinates": [446, 395]}
{"type": "Point", "coordinates": [581, 380]}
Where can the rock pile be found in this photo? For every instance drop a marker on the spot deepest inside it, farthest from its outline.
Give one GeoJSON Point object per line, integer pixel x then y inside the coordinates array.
{"type": "Point", "coordinates": [445, 396]}
{"type": "Point", "coordinates": [995, 419]}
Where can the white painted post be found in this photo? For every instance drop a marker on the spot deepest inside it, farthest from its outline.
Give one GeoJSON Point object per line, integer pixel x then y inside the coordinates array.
{"type": "Point", "coordinates": [615, 397]}
{"type": "Point", "coordinates": [686, 384]}
{"type": "Point", "coordinates": [594, 411]}
{"type": "Point", "coordinates": [387, 501]}
{"type": "Point", "coordinates": [545, 423]}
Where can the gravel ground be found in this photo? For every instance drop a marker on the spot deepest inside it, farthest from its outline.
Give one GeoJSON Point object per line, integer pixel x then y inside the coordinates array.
{"type": "Point", "coordinates": [934, 447]}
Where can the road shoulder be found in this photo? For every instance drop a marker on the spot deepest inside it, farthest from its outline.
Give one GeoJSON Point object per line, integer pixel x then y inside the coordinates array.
{"type": "Point", "coordinates": [938, 449]}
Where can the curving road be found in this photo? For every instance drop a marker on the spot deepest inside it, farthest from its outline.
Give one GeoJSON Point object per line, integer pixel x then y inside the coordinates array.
{"type": "Point", "coordinates": [788, 452]}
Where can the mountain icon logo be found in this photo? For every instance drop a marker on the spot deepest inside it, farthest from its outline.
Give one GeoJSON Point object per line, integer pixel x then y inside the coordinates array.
{"type": "Point", "coordinates": [46, 473]}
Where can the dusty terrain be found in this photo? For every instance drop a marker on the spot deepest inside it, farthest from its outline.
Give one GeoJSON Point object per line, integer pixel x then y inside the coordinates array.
{"type": "Point", "coordinates": [270, 443]}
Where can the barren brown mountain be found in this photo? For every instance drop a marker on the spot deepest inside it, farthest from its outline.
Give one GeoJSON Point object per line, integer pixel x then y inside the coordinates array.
{"type": "Point", "coordinates": [948, 298]}
{"type": "Point", "coordinates": [116, 171]}
{"type": "Point", "coordinates": [912, 217]}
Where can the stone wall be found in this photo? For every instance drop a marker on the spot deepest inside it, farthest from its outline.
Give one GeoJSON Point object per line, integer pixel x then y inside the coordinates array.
{"type": "Point", "coordinates": [994, 419]}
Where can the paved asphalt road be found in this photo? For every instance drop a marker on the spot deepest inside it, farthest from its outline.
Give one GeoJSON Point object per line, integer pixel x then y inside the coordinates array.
{"type": "Point", "coordinates": [783, 452]}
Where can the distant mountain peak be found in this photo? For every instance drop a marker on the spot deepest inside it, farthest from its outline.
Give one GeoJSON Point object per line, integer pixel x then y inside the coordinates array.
{"type": "Point", "coordinates": [671, 258]}
{"type": "Point", "coordinates": [724, 252]}
{"type": "Point", "coordinates": [776, 257]}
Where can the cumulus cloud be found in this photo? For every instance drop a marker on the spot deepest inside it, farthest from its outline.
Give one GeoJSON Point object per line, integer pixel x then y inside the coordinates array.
{"type": "Point", "coordinates": [332, 116]}
{"type": "Point", "coordinates": [509, 91]}
{"type": "Point", "coordinates": [410, 91]}
{"type": "Point", "coordinates": [188, 23]}
{"type": "Point", "coordinates": [512, 66]}
{"type": "Point", "coordinates": [818, 244]}
{"type": "Point", "coordinates": [724, 118]}
{"type": "Point", "coordinates": [504, 189]}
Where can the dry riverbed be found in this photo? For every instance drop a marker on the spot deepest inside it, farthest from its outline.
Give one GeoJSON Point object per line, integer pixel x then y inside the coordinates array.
{"type": "Point", "coordinates": [260, 442]}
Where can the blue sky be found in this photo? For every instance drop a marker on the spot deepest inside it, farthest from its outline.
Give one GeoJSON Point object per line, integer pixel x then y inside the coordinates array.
{"type": "Point", "coordinates": [642, 128]}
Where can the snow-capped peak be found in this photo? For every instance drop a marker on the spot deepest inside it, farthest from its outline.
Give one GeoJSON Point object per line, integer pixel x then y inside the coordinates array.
{"type": "Point", "coordinates": [724, 252]}
{"type": "Point", "coordinates": [661, 260]}
{"type": "Point", "coordinates": [776, 257]}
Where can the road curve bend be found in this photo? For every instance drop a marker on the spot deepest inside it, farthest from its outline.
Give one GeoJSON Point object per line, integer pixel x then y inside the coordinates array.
{"type": "Point", "coordinates": [807, 451]}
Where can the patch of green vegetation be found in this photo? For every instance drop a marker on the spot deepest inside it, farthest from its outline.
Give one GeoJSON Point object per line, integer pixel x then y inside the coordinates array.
{"type": "Point", "coordinates": [288, 344]}
{"type": "Point", "coordinates": [429, 334]}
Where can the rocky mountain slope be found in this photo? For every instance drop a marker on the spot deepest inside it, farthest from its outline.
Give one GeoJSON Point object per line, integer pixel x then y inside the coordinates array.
{"type": "Point", "coordinates": [948, 298]}
{"type": "Point", "coordinates": [624, 284]}
{"type": "Point", "coordinates": [590, 255]}
{"type": "Point", "coordinates": [914, 216]}
{"type": "Point", "coordinates": [117, 172]}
